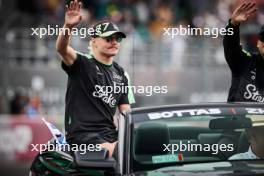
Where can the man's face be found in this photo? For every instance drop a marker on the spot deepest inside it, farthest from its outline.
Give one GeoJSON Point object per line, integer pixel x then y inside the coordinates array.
{"type": "Point", "coordinates": [260, 46]}
{"type": "Point", "coordinates": [108, 46]}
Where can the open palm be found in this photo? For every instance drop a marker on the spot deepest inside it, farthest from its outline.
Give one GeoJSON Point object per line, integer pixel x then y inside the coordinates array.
{"type": "Point", "coordinates": [73, 14]}
{"type": "Point", "coordinates": [243, 12]}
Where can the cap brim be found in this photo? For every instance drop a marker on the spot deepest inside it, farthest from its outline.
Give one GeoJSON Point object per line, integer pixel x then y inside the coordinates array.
{"type": "Point", "coordinates": [109, 33]}
{"type": "Point", "coordinates": [261, 38]}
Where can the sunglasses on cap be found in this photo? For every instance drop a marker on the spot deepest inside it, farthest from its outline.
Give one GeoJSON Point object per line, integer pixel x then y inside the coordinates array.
{"type": "Point", "coordinates": [113, 37]}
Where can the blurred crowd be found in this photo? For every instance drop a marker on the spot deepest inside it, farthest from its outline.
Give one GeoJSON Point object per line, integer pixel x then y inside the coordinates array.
{"type": "Point", "coordinates": [146, 53]}
{"type": "Point", "coordinates": [145, 20]}
{"type": "Point", "coordinates": [22, 104]}
{"type": "Point", "coordinates": [146, 17]}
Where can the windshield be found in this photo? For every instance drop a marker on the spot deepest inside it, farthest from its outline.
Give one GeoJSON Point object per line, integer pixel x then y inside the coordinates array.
{"type": "Point", "coordinates": [171, 138]}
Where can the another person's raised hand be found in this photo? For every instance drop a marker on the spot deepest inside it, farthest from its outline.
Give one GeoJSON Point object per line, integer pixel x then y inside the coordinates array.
{"type": "Point", "coordinates": [243, 12]}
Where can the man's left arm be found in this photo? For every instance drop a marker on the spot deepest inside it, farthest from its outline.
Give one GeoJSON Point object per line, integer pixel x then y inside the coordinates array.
{"type": "Point", "coordinates": [127, 97]}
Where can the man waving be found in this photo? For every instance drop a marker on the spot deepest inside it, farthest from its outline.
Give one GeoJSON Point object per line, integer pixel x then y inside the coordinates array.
{"type": "Point", "coordinates": [90, 104]}
{"type": "Point", "coordinates": [247, 68]}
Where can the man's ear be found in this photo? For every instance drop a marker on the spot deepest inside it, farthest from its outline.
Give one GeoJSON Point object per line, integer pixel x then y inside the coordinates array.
{"type": "Point", "coordinates": [93, 42]}
{"type": "Point", "coordinates": [258, 43]}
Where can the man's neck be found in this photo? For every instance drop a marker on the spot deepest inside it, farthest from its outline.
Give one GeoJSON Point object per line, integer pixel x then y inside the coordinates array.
{"type": "Point", "coordinates": [103, 59]}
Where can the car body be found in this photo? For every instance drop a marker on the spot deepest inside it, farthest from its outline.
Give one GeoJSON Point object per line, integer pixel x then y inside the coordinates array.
{"type": "Point", "coordinates": [194, 139]}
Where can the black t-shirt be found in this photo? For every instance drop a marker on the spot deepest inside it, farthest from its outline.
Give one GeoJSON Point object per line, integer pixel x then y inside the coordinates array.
{"type": "Point", "coordinates": [247, 70]}
{"type": "Point", "coordinates": [89, 106]}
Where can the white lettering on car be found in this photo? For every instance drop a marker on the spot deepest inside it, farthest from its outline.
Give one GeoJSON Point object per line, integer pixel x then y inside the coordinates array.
{"type": "Point", "coordinates": [180, 113]}
{"type": "Point", "coordinates": [255, 111]}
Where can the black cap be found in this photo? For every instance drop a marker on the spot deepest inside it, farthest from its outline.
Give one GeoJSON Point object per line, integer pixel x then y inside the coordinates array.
{"type": "Point", "coordinates": [261, 34]}
{"type": "Point", "coordinates": [105, 29]}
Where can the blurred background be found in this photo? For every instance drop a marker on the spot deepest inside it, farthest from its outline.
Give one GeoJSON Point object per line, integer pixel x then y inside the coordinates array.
{"type": "Point", "coordinates": [33, 85]}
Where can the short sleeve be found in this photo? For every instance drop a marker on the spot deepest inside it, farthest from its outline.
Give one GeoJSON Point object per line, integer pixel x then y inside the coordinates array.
{"type": "Point", "coordinates": [76, 66]}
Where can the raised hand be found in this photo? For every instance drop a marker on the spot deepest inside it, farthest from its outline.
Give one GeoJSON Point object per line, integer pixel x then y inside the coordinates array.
{"type": "Point", "coordinates": [72, 14]}
{"type": "Point", "coordinates": [243, 12]}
